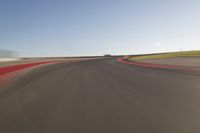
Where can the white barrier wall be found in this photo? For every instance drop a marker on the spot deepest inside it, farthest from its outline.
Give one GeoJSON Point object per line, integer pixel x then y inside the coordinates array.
{"type": "Point", "coordinates": [8, 55]}
{"type": "Point", "coordinates": [8, 59]}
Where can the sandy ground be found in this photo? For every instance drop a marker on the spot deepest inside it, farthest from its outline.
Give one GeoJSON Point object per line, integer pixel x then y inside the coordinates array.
{"type": "Point", "coordinates": [194, 62]}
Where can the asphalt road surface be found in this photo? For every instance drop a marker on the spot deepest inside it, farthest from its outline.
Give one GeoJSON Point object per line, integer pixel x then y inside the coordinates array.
{"type": "Point", "coordinates": [101, 96]}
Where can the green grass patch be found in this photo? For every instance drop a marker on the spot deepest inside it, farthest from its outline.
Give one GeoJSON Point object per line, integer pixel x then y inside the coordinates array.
{"type": "Point", "coordinates": [168, 55]}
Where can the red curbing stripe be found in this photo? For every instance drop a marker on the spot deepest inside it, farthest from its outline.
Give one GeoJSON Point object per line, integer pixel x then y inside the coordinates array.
{"type": "Point", "coordinates": [8, 69]}
{"type": "Point", "coordinates": [150, 65]}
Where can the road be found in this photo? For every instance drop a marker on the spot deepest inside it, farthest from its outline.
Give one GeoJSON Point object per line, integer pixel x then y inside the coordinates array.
{"type": "Point", "coordinates": [101, 96]}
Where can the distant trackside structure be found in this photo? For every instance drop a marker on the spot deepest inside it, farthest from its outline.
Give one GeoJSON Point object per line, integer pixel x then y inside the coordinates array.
{"type": "Point", "coordinates": [8, 55]}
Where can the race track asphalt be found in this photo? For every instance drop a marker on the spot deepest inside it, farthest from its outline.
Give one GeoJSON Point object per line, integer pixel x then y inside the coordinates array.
{"type": "Point", "coordinates": [101, 96]}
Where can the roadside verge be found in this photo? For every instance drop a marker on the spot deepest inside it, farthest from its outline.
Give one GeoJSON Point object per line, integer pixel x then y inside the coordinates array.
{"type": "Point", "coordinates": [160, 66]}
{"type": "Point", "coordinates": [9, 72]}
{"type": "Point", "coordinates": [8, 69]}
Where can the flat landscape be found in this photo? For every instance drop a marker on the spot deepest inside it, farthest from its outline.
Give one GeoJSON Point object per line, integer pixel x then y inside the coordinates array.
{"type": "Point", "coordinates": [101, 96]}
{"type": "Point", "coordinates": [99, 66]}
{"type": "Point", "coordinates": [182, 54]}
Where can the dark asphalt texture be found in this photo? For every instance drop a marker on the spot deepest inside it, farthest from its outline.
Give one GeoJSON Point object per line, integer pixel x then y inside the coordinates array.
{"type": "Point", "coordinates": [101, 96]}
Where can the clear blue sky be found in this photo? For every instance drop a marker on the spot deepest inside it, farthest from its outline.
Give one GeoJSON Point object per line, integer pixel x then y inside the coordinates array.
{"type": "Point", "coordinates": [96, 27]}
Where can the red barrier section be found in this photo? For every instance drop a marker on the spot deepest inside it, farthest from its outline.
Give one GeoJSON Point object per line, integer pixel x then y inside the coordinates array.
{"type": "Point", "coordinates": [8, 69]}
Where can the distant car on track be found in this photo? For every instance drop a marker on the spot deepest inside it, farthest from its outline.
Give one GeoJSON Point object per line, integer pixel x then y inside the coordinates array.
{"type": "Point", "coordinates": [107, 55]}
